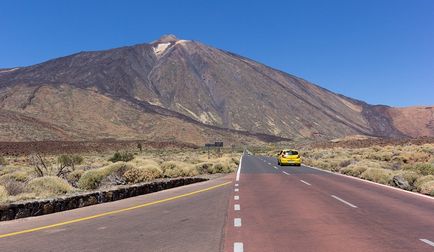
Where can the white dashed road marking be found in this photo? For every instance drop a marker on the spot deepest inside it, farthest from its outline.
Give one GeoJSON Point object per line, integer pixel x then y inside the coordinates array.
{"type": "Point", "coordinates": [236, 184]}
{"type": "Point", "coordinates": [237, 222]}
{"type": "Point", "coordinates": [428, 242]}
{"type": "Point", "coordinates": [238, 247]}
{"type": "Point", "coordinates": [236, 189]}
{"type": "Point", "coordinates": [236, 197]}
{"type": "Point", "coordinates": [237, 207]}
{"type": "Point", "coordinates": [286, 173]}
{"type": "Point", "coordinates": [304, 182]}
{"type": "Point", "coordinates": [343, 201]}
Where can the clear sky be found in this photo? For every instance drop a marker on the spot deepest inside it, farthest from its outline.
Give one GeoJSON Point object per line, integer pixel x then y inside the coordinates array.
{"type": "Point", "coordinates": [378, 51]}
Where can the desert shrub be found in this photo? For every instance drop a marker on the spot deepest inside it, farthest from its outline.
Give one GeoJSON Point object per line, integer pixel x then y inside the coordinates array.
{"type": "Point", "coordinates": [69, 161]}
{"type": "Point", "coordinates": [409, 176]}
{"type": "Point", "coordinates": [427, 188]}
{"type": "Point", "coordinates": [203, 168]}
{"type": "Point", "coordinates": [91, 179]}
{"type": "Point", "coordinates": [49, 185]}
{"type": "Point", "coordinates": [422, 168]}
{"type": "Point", "coordinates": [355, 171]}
{"type": "Point", "coordinates": [110, 174]}
{"type": "Point", "coordinates": [220, 167]}
{"type": "Point", "coordinates": [122, 156]}
{"type": "Point", "coordinates": [142, 174]}
{"type": "Point", "coordinates": [3, 193]}
{"type": "Point", "coordinates": [345, 163]}
{"type": "Point", "coordinates": [378, 175]}
{"type": "Point", "coordinates": [172, 169]}
{"type": "Point", "coordinates": [380, 156]}
{"type": "Point", "coordinates": [3, 161]}
{"type": "Point", "coordinates": [419, 181]}
{"type": "Point", "coordinates": [12, 186]}
{"type": "Point", "coordinates": [74, 176]}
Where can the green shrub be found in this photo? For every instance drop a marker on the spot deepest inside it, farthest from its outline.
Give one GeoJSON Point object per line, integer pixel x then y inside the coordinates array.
{"type": "Point", "coordinates": [409, 176]}
{"type": "Point", "coordinates": [427, 188]}
{"type": "Point", "coordinates": [422, 168]}
{"type": "Point", "coordinates": [172, 169]}
{"type": "Point", "coordinates": [3, 193]}
{"type": "Point", "coordinates": [378, 175]}
{"type": "Point", "coordinates": [70, 160]}
{"type": "Point", "coordinates": [122, 156]}
{"type": "Point", "coordinates": [203, 168]}
{"type": "Point", "coordinates": [91, 179]}
{"type": "Point", "coordinates": [418, 183]}
{"type": "Point", "coordinates": [112, 174]}
{"type": "Point", "coordinates": [74, 176]}
{"type": "Point", "coordinates": [3, 161]}
{"type": "Point", "coordinates": [355, 171]}
{"type": "Point", "coordinates": [49, 185]}
{"type": "Point", "coordinates": [142, 174]}
{"type": "Point", "coordinates": [12, 186]}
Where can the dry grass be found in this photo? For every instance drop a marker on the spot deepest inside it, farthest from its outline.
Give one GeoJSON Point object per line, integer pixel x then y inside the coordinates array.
{"type": "Point", "coordinates": [96, 171]}
{"type": "Point", "coordinates": [48, 186]}
{"type": "Point", "coordinates": [378, 163]}
{"type": "Point", "coordinates": [3, 194]}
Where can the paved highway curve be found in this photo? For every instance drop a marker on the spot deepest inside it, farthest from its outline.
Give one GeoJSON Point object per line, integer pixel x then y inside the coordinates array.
{"type": "Point", "coordinates": [268, 208]}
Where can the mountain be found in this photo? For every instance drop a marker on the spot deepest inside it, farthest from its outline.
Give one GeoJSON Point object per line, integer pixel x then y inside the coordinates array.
{"type": "Point", "coordinates": [183, 90]}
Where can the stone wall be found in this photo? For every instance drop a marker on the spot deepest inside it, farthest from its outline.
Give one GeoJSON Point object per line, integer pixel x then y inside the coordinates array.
{"type": "Point", "coordinates": [40, 207]}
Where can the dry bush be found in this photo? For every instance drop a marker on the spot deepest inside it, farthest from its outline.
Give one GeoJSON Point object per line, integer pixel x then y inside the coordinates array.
{"type": "Point", "coordinates": [48, 186]}
{"type": "Point", "coordinates": [353, 171]}
{"type": "Point", "coordinates": [173, 169]}
{"type": "Point", "coordinates": [91, 179]}
{"type": "Point", "coordinates": [421, 180]}
{"type": "Point", "coordinates": [12, 186]}
{"type": "Point", "coordinates": [74, 176]}
{"type": "Point", "coordinates": [422, 168]}
{"type": "Point", "coordinates": [3, 194]}
{"type": "Point", "coordinates": [409, 176]}
{"type": "Point", "coordinates": [427, 188]}
{"type": "Point", "coordinates": [3, 161]}
{"type": "Point", "coordinates": [378, 175]}
{"type": "Point", "coordinates": [142, 174]}
{"type": "Point", "coordinates": [380, 155]}
{"type": "Point", "coordinates": [111, 174]}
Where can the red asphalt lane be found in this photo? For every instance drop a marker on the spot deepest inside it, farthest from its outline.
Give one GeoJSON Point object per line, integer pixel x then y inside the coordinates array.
{"type": "Point", "coordinates": [281, 213]}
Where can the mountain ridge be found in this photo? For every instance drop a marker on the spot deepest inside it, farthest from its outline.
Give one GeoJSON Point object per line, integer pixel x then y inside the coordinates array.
{"type": "Point", "coordinates": [208, 87]}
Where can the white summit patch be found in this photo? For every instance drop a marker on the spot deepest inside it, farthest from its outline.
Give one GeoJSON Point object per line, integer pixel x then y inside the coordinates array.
{"type": "Point", "coordinates": [181, 42]}
{"type": "Point", "coordinates": [9, 70]}
{"type": "Point", "coordinates": [160, 48]}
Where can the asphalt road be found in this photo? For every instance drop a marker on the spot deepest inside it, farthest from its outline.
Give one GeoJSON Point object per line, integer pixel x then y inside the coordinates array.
{"type": "Point", "coordinates": [303, 209]}
{"type": "Point", "coordinates": [265, 207]}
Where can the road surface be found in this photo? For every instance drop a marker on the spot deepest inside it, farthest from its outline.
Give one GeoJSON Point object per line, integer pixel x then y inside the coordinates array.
{"type": "Point", "coordinates": [264, 207]}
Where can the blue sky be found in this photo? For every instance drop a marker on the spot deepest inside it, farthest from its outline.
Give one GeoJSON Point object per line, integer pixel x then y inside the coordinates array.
{"type": "Point", "coordinates": [380, 51]}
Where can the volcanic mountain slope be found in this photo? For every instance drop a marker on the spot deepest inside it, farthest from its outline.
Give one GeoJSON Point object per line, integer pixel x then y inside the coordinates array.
{"type": "Point", "coordinates": [182, 90]}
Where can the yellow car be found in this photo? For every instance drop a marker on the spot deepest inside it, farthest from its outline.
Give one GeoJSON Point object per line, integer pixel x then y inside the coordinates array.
{"type": "Point", "coordinates": [289, 157]}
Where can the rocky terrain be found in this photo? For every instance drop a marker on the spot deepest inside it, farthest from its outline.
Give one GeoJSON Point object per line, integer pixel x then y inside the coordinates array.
{"type": "Point", "coordinates": [185, 91]}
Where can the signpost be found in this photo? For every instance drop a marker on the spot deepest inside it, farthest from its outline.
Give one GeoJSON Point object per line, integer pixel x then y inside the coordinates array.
{"type": "Point", "coordinates": [217, 145]}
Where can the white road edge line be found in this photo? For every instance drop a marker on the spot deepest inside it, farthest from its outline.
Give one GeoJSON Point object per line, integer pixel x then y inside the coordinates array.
{"type": "Point", "coordinates": [239, 168]}
{"type": "Point", "coordinates": [427, 242]}
{"type": "Point", "coordinates": [236, 197]}
{"type": "Point", "coordinates": [286, 173]}
{"type": "Point", "coordinates": [304, 182]}
{"type": "Point", "coordinates": [237, 207]}
{"type": "Point", "coordinates": [238, 247]}
{"type": "Point", "coordinates": [370, 182]}
{"type": "Point", "coordinates": [343, 201]}
{"type": "Point", "coordinates": [237, 222]}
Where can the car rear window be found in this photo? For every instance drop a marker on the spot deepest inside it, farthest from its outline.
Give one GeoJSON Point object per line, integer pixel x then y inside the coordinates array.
{"type": "Point", "coordinates": [291, 152]}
